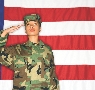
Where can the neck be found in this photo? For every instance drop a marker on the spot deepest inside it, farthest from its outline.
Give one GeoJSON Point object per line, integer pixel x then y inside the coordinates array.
{"type": "Point", "coordinates": [33, 39]}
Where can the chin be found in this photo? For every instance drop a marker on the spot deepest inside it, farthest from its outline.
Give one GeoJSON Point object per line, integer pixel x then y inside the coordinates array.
{"type": "Point", "coordinates": [32, 34]}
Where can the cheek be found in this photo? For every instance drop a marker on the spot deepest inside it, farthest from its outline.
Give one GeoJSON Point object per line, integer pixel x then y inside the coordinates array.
{"type": "Point", "coordinates": [27, 29]}
{"type": "Point", "coordinates": [37, 29]}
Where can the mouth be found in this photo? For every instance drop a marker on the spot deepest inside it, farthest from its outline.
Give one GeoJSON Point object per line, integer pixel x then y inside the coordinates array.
{"type": "Point", "coordinates": [32, 30]}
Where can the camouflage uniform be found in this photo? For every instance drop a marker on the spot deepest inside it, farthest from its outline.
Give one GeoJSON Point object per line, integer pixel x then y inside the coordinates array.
{"type": "Point", "coordinates": [32, 63]}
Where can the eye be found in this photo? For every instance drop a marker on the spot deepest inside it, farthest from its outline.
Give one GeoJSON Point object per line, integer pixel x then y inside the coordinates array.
{"type": "Point", "coordinates": [27, 24]}
{"type": "Point", "coordinates": [35, 23]}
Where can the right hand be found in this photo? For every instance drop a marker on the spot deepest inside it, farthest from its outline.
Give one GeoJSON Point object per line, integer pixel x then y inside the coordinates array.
{"type": "Point", "coordinates": [11, 30]}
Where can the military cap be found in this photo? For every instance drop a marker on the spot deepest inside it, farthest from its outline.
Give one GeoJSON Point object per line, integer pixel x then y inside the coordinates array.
{"type": "Point", "coordinates": [32, 17]}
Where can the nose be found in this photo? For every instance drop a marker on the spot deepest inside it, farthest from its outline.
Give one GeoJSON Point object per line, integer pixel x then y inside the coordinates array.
{"type": "Point", "coordinates": [31, 26]}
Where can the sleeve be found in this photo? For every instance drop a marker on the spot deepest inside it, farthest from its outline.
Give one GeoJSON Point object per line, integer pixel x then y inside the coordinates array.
{"type": "Point", "coordinates": [3, 40]}
{"type": "Point", "coordinates": [54, 82]}
{"type": "Point", "coordinates": [7, 56]}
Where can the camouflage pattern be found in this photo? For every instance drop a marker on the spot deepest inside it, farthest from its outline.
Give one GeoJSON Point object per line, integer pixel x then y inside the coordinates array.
{"type": "Point", "coordinates": [3, 39]}
{"type": "Point", "coordinates": [32, 17]}
{"type": "Point", "coordinates": [33, 66]}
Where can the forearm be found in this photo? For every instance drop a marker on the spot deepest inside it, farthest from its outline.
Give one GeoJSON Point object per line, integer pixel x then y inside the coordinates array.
{"type": "Point", "coordinates": [3, 38]}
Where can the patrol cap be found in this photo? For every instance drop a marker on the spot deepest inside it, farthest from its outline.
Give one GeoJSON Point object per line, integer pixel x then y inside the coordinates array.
{"type": "Point", "coordinates": [32, 17]}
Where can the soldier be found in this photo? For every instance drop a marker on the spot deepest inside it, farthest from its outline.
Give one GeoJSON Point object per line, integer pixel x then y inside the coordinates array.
{"type": "Point", "coordinates": [32, 61]}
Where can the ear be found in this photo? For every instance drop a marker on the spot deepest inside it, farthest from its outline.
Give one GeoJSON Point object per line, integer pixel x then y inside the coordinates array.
{"type": "Point", "coordinates": [40, 29]}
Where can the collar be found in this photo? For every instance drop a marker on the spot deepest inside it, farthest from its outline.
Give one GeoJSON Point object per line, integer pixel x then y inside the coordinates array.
{"type": "Point", "coordinates": [29, 43]}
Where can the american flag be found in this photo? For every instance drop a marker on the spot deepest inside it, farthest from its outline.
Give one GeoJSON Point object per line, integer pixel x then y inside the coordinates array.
{"type": "Point", "coordinates": [68, 27]}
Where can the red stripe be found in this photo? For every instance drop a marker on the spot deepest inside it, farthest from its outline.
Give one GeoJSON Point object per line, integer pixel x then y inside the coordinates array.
{"type": "Point", "coordinates": [75, 72]}
{"type": "Point", "coordinates": [68, 42]}
{"type": "Point", "coordinates": [7, 74]}
{"type": "Point", "coordinates": [51, 14]}
{"type": "Point", "coordinates": [0, 71]}
{"type": "Point", "coordinates": [63, 72]}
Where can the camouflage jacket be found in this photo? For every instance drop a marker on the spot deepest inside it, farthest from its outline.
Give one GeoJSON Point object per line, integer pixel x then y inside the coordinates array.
{"type": "Point", "coordinates": [32, 63]}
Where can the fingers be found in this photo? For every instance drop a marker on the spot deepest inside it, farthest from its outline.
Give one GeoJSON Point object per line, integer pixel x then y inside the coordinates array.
{"type": "Point", "coordinates": [17, 27]}
{"type": "Point", "coordinates": [20, 25]}
{"type": "Point", "coordinates": [14, 28]}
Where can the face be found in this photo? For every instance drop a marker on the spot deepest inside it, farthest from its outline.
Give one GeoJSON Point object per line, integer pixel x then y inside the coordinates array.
{"type": "Point", "coordinates": [32, 28]}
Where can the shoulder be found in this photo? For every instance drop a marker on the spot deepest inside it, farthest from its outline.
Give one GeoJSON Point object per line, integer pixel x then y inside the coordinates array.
{"type": "Point", "coordinates": [12, 49]}
{"type": "Point", "coordinates": [48, 51]}
{"type": "Point", "coordinates": [11, 46]}
{"type": "Point", "coordinates": [48, 47]}
{"type": "Point", "coordinates": [7, 50]}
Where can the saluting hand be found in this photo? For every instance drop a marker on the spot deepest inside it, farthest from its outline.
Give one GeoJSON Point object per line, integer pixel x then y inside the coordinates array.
{"type": "Point", "coordinates": [11, 30]}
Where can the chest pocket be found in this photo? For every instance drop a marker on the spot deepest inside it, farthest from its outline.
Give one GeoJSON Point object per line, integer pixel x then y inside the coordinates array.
{"type": "Point", "coordinates": [20, 61]}
{"type": "Point", "coordinates": [29, 61]}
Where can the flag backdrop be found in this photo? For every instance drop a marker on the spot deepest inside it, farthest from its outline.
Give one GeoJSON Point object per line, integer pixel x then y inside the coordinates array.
{"type": "Point", "coordinates": [68, 27]}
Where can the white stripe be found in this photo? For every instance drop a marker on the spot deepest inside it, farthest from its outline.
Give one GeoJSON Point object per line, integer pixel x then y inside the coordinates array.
{"type": "Point", "coordinates": [77, 85]}
{"type": "Point", "coordinates": [49, 3]}
{"type": "Point", "coordinates": [6, 84]}
{"type": "Point", "coordinates": [64, 84]}
{"type": "Point", "coordinates": [74, 57]}
{"type": "Point", "coordinates": [58, 28]}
